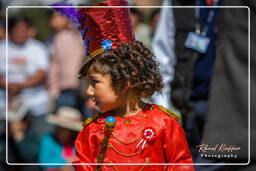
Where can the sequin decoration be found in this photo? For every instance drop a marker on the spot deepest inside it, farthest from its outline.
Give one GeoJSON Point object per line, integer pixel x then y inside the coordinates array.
{"type": "Point", "coordinates": [106, 44]}
{"type": "Point", "coordinates": [106, 24]}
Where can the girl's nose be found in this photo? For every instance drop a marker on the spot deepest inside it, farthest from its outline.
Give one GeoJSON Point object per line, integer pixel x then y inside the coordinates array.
{"type": "Point", "coordinates": [89, 91]}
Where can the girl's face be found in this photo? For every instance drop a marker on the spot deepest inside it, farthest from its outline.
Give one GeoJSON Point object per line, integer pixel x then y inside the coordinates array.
{"type": "Point", "coordinates": [101, 91]}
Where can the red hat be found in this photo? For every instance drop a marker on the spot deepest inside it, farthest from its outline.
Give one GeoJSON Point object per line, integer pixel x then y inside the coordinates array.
{"type": "Point", "coordinates": [105, 28]}
{"type": "Point", "coordinates": [102, 27]}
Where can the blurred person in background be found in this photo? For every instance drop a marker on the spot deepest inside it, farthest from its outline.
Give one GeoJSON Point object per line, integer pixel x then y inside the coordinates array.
{"type": "Point", "coordinates": [58, 147]}
{"type": "Point", "coordinates": [228, 113]}
{"type": "Point", "coordinates": [194, 65]}
{"type": "Point", "coordinates": [3, 165]}
{"type": "Point", "coordinates": [57, 24]}
{"type": "Point", "coordinates": [2, 30]}
{"type": "Point", "coordinates": [209, 88]}
{"type": "Point", "coordinates": [163, 46]}
{"type": "Point", "coordinates": [154, 17]}
{"type": "Point", "coordinates": [188, 69]}
{"type": "Point", "coordinates": [32, 32]}
{"type": "Point", "coordinates": [27, 70]}
{"type": "Point", "coordinates": [66, 57]}
{"type": "Point", "coordinates": [2, 65]}
{"type": "Point", "coordinates": [2, 82]}
{"type": "Point", "coordinates": [141, 30]}
{"type": "Point", "coordinates": [22, 141]}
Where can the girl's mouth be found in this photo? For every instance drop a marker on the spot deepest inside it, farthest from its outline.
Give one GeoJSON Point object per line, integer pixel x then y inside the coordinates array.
{"type": "Point", "coordinates": [97, 108]}
{"type": "Point", "coordinates": [93, 99]}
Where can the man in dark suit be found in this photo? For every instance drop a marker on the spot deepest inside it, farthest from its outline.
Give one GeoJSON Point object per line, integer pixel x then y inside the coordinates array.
{"type": "Point", "coordinates": [228, 113]}
{"type": "Point", "coordinates": [219, 111]}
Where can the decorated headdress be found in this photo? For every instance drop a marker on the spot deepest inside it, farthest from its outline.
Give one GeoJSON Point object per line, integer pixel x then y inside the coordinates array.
{"type": "Point", "coordinates": [102, 27]}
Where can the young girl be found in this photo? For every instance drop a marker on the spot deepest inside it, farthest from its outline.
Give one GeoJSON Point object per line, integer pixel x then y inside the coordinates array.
{"type": "Point", "coordinates": [119, 72]}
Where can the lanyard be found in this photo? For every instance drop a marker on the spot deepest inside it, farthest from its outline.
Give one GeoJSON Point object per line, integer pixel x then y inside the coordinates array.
{"type": "Point", "coordinates": [210, 17]}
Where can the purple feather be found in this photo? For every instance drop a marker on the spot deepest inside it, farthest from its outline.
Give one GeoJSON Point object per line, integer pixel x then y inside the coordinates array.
{"type": "Point", "coordinates": [70, 13]}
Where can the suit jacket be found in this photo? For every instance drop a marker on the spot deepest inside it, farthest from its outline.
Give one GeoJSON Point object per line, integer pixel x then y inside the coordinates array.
{"type": "Point", "coordinates": [228, 105]}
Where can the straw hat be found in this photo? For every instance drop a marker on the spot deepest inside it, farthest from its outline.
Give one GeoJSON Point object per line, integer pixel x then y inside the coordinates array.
{"type": "Point", "coordinates": [66, 117]}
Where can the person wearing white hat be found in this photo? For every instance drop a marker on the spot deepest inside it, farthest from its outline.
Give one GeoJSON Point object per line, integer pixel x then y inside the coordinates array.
{"type": "Point", "coordinates": [59, 146]}
{"type": "Point", "coordinates": [22, 140]}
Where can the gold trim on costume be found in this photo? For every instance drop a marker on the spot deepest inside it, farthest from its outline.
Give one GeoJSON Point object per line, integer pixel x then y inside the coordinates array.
{"type": "Point", "coordinates": [126, 143]}
{"type": "Point", "coordinates": [91, 56]}
{"type": "Point", "coordinates": [170, 113]}
{"type": "Point", "coordinates": [143, 115]}
{"type": "Point", "coordinates": [90, 119]}
{"type": "Point", "coordinates": [127, 121]}
{"type": "Point", "coordinates": [123, 154]}
{"type": "Point", "coordinates": [147, 160]}
{"type": "Point", "coordinates": [113, 165]}
{"type": "Point", "coordinates": [96, 52]}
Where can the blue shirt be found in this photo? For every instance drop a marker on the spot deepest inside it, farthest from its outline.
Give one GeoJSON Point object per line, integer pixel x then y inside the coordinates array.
{"type": "Point", "coordinates": [50, 151]}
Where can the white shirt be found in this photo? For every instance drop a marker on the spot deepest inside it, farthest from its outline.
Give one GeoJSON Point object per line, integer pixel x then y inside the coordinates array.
{"type": "Point", "coordinates": [163, 47]}
{"type": "Point", "coordinates": [23, 62]}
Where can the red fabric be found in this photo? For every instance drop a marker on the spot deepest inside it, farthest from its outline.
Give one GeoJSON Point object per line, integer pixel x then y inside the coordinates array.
{"type": "Point", "coordinates": [209, 2]}
{"type": "Point", "coordinates": [106, 23]}
{"type": "Point", "coordinates": [169, 145]}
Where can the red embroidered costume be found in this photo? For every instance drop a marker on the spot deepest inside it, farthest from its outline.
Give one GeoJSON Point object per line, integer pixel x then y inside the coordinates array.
{"type": "Point", "coordinates": [125, 145]}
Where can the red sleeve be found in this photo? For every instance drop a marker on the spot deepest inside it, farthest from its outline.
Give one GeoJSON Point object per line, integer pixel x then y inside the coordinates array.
{"type": "Point", "coordinates": [176, 148]}
{"type": "Point", "coordinates": [85, 150]}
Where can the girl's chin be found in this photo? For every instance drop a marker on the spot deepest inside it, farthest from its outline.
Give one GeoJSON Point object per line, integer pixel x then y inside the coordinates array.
{"type": "Point", "coordinates": [104, 110]}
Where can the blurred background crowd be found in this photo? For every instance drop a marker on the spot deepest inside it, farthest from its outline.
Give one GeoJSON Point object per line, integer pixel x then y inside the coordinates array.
{"type": "Point", "coordinates": [209, 88]}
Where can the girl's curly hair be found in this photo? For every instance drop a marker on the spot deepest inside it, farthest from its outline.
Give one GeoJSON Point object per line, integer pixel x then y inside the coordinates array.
{"type": "Point", "coordinates": [130, 64]}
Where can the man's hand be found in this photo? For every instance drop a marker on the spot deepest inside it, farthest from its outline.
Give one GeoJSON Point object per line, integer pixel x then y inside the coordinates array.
{"type": "Point", "coordinates": [14, 89]}
{"type": "Point", "coordinates": [17, 129]}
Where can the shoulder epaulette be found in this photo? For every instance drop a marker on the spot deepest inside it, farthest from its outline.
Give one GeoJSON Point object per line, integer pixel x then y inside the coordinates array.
{"type": "Point", "coordinates": [90, 119]}
{"type": "Point", "coordinates": [168, 112]}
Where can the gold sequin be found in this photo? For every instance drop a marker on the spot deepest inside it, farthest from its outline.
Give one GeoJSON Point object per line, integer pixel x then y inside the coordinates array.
{"type": "Point", "coordinates": [90, 119]}
{"type": "Point", "coordinates": [143, 115]}
{"type": "Point", "coordinates": [109, 146]}
{"type": "Point", "coordinates": [170, 113]}
{"type": "Point", "coordinates": [127, 121]}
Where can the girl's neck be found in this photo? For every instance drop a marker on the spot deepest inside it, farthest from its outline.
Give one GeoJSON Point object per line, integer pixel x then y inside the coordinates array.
{"type": "Point", "coordinates": [130, 104]}
{"type": "Point", "coordinates": [129, 109]}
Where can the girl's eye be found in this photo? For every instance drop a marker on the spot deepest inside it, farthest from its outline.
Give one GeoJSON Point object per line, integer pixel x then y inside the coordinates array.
{"type": "Point", "coordinates": [94, 82]}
